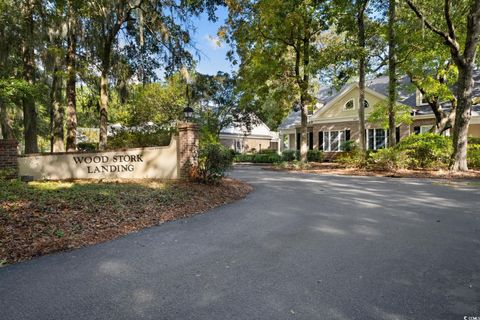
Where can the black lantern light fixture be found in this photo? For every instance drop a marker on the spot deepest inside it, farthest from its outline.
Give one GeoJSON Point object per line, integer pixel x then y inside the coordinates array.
{"type": "Point", "coordinates": [188, 113]}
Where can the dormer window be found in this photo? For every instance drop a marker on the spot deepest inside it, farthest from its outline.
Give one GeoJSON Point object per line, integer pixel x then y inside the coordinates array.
{"type": "Point", "coordinates": [349, 105]}
{"type": "Point", "coordinates": [420, 98]}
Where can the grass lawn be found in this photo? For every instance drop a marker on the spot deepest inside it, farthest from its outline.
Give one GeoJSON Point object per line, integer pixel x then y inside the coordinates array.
{"type": "Point", "coordinates": [43, 217]}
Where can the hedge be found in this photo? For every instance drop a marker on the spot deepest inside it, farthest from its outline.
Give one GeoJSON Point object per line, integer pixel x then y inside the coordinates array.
{"type": "Point", "coordinates": [258, 157]}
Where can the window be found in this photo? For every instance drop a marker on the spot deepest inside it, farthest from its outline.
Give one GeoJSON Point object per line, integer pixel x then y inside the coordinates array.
{"type": "Point", "coordinates": [333, 140]}
{"type": "Point", "coordinates": [366, 104]}
{"type": "Point", "coordinates": [425, 129]}
{"type": "Point", "coordinates": [380, 139]}
{"type": "Point", "coordinates": [310, 140]}
{"type": "Point", "coordinates": [376, 139]}
{"type": "Point", "coordinates": [349, 105]}
{"type": "Point", "coordinates": [238, 146]}
{"type": "Point", "coordinates": [424, 99]}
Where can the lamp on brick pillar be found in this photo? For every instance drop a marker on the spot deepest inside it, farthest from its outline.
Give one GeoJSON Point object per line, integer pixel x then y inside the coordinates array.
{"type": "Point", "coordinates": [188, 113]}
{"type": "Point", "coordinates": [188, 145]}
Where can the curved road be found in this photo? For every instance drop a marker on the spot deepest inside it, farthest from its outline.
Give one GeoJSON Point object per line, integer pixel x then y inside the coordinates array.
{"type": "Point", "coordinates": [298, 247]}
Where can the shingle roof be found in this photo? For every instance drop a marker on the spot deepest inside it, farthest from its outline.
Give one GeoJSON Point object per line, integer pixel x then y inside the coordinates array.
{"type": "Point", "coordinates": [405, 89]}
{"type": "Point", "coordinates": [291, 121]}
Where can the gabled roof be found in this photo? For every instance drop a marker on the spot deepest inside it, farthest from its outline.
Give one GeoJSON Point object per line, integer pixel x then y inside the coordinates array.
{"type": "Point", "coordinates": [327, 95]}
{"type": "Point", "coordinates": [405, 90]}
{"type": "Point", "coordinates": [339, 96]}
{"type": "Point", "coordinates": [259, 129]}
{"type": "Point", "coordinates": [406, 94]}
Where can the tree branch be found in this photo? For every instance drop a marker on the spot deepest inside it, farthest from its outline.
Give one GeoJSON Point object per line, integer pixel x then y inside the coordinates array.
{"type": "Point", "coordinates": [451, 42]}
{"type": "Point", "coordinates": [448, 18]}
{"type": "Point", "coordinates": [473, 26]}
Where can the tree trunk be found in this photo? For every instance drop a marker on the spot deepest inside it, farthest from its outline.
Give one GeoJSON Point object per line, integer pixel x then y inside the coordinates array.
{"type": "Point", "coordinates": [29, 110]}
{"type": "Point", "coordinates": [5, 123]}
{"type": "Point", "coordinates": [57, 113]}
{"type": "Point", "coordinates": [361, 71]}
{"type": "Point", "coordinates": [446, 122]}
{"type": "Point", "coordinates": [460, 131]}
{"type": "Point", "coordinates": [71, 80]}
{"type": "Point", "coordinates": [103, 109]}
{"type": "Point", "coordinates": [303, 105]}
{"type": "Point", "coordinates": [392, 74]}
{"type": "Point", "coordinates": [304, 95]}
{"type": "Point", "coordinates": [465, 84]}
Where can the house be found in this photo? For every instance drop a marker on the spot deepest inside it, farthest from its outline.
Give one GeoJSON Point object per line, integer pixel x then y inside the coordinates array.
{"type": "Point", "coordinates": [237, 137]}
{"type": "Point", "coordinates": [335, 118]}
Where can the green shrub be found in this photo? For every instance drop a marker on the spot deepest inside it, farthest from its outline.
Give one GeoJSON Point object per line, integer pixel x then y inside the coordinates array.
{"type": "Point", "coordinates": [267, 158]}
{"type": "Point", "coordinates": [349, 146]}
{"type": "Point", "coordinates": [473, 140]}
{"type": "Point", "coordinates": [387, 159]}
{"type": "Point", "coordinates": [233, 153]}
{"type": "Point", "coordinates": [87, 146]}
{"type": "Point", "coordinates": [213, 162]}
{"type": "Point", "coordinates": [8, 173]}
{"type": "Point", "coordinates": [314, 156]}
{"type": "Point", "coordinates": [473, 155]}
{"type": "Point", "coordinates": [423, 151]}
{"type": "Point", "coordinates": [138, 139]}
{"type": "Point", "coordinates": [290, 155]}
{"type": "Point", "coordinates": [352, 159]}
{"type": "Point", "coordinates": [244, 157]}
{"type": "Point", "coordinates": [427, 150]}
{"type": "Point", "coordinates": [267, 151]}
{"type": "Point", "coordinates": [258, 158]}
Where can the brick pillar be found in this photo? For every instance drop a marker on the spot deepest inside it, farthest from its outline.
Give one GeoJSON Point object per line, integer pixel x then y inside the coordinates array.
{"type": "Point", "coordinates": [8, 156]}
{"type": "Point", "coordinates": [187, 148]}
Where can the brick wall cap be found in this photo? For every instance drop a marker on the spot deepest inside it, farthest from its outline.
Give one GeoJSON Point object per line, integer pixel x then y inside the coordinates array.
{"type": "Point", "coordinates": [187, 125]}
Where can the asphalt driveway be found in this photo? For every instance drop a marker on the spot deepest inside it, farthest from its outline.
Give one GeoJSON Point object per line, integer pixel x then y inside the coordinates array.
{"type": "Point", "coordinates": [298, 247]}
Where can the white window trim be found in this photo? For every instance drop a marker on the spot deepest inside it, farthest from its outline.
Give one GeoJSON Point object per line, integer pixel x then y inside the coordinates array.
{"type": "Point", "coordinates": [375, 139]}
{"type": "Point", "coordinates": [327, 143]}
{"type": "Point", "coordinates": [425, 129]}
{"type": "Point", "coordinates": [345, 105]}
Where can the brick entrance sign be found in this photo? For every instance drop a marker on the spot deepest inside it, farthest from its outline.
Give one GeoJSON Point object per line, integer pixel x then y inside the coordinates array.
{"type": "Point", "coordinates": [9, 155]}
{"type": "Point", "coordinates": [167, 162]}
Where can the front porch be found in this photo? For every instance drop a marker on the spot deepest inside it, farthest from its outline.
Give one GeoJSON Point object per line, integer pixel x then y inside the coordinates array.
{"type": "Point", "coordinates": [330, 137]}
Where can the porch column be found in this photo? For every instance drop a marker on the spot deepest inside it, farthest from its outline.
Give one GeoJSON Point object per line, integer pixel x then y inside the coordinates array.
{"type": "Point", "coordinates": [280, 143]}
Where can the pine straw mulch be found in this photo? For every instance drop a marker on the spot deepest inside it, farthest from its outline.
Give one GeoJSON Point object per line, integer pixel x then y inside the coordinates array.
{"type": "Point", "coordinates": [333, 168]}
{"type": "Point", "coordinates": [44, 217]}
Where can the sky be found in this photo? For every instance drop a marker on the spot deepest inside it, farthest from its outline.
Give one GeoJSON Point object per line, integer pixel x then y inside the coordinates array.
{"type": "Point", "coordinates": [212, 53]}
